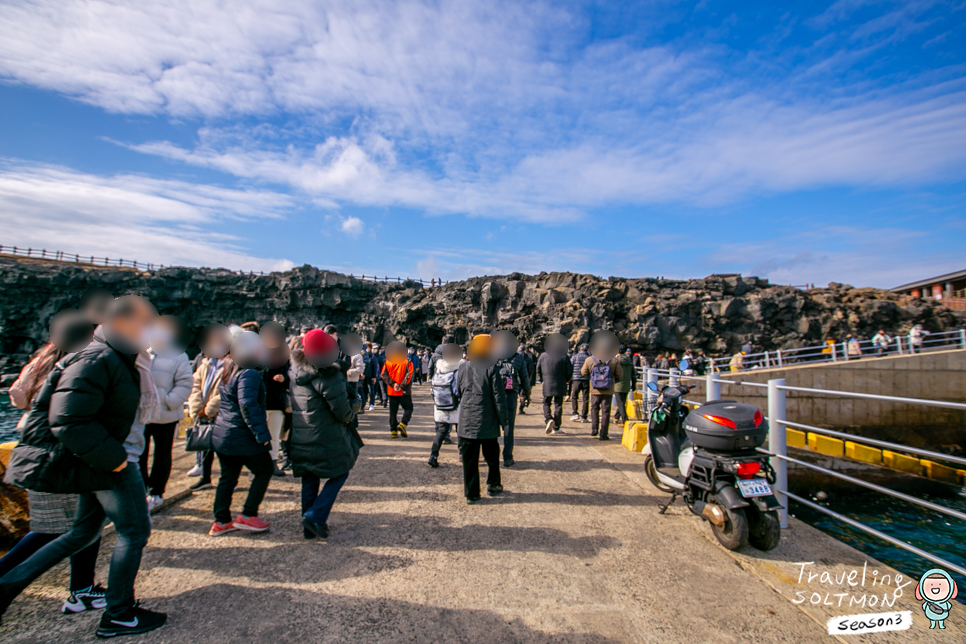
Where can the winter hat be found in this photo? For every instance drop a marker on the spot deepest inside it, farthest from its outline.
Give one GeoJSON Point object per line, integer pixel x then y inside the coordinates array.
{"type": "Point", "coordinates": [318, 341]}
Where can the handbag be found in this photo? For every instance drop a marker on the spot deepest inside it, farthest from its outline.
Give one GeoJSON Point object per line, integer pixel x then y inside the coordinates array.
{"type": "Point", "coordinates": [198, 437]}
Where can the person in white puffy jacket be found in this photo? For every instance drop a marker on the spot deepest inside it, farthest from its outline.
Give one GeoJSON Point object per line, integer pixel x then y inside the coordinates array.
{"type": "Point", "coordinates": [356, 370]}
{"type": "Point", "coordinates": [172, 378]}
{"type": "Point", "coordinates": [444, 375]}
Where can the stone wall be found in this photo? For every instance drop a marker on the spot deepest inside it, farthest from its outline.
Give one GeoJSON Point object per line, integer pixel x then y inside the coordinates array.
{"type": "Point", "coordinates": [935, 375]}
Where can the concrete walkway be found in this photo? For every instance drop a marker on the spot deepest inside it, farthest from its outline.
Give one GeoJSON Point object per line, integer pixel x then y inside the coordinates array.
{"type": "Point", "coordinates": [574, 552]}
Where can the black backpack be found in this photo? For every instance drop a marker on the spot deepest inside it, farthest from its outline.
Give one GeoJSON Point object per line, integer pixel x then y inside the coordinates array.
{"type": "Point", "coordinates": [40, 462]}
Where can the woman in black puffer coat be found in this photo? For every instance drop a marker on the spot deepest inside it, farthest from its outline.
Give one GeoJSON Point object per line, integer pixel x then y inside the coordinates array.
{"type": "Point", "coordinates": [323, 443]}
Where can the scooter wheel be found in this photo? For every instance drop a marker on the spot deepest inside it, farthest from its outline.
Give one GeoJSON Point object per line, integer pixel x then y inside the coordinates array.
{"type": "Point", "coordinates": [764, 528]}
{"type": "Point", "coordinates": [652, 476]}
{"type": "Point", "coordinates": [733, 535]}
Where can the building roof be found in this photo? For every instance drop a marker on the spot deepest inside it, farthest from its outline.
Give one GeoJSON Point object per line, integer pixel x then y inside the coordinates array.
{"type": "Point", "coordinates": [948, 277]}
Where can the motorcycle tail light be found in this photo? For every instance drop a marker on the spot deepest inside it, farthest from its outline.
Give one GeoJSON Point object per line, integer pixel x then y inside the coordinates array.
{"type": "Point", "coordinates": [748, 470]}
{"type": "Point", "coordinates": [727, 422]}
{"type": "Point", "coordinates": [759, 419]}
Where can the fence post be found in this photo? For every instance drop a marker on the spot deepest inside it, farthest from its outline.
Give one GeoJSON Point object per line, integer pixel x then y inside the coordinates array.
{"type": "Point", "coordinates": [673, 377]}
{"type": "Point", "coordinates": [779, 352]}
{"type": "Point", "coordinates": [834, 356]}
{"type": "Point", "coordinates": [650, 396]}
{"type": "Point", "coordinates": [767, 361]}
{"type": "Point", "coordinates": [962, 338]}
{"type": "Point", "coordinates": [899, 344]}
{"type": "Point", "coordinates": [776, 443]}
{"type": "Point", "coordinates": [712, 388]}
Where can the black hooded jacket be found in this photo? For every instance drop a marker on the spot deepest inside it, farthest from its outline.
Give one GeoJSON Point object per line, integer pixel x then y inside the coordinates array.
{"type": "Point", "coordinates": [323, 442]}
{"type": "Point", "coordinates": [555, 373]}
{"type": "Point", "coordinates": [483, 406]}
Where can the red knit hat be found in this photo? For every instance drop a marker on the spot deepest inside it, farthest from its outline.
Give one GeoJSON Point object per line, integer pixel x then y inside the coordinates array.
{"type": "Point", "coordinates": [317, 342]}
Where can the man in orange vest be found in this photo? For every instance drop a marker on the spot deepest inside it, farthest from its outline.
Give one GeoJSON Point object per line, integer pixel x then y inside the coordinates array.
{"type": "Point", "coordinates": [397, 373]}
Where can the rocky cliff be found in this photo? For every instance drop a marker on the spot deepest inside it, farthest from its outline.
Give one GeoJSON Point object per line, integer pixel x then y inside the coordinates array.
{"type": "Point", "coordinates": [716, 314]}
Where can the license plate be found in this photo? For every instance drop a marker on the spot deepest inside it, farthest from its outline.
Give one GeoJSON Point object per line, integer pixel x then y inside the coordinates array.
{"type": "Point", "coordinates": [754, 487]}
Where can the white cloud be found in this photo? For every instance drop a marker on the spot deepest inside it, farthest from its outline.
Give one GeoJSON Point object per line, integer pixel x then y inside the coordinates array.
{"type": "Point", "coordinates": [132, 217]}
{"type": "Point", "coordinates": [352, 226]}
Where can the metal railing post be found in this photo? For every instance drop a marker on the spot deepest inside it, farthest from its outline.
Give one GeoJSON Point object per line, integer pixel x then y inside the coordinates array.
{"type": "Point", "coordinates": [673, 377]}
{"type": "Point", "coordinates": [712, 388]}
{"type": "Point", "coordinates": [776, 443]}
{"type": "Point", "coordinates": [651, 397]}
{"type": "Point", "coordinates": [962, 338]}
{"type": "Point", "coordinates": [779, 353]}
{"type": "Point", "coordinates": [834, 357]}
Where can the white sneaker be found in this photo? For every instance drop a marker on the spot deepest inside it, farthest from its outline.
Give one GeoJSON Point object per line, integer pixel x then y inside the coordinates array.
{"type": "Point", "coordinates": [550, 426]}
{"type": "Point", "coordinates": [154, 501]}
{"type": "Point", "coordinates": [575, 417]}
{"type": "Point", "coordinates": [195, 471]}
{"type": "Point", "coordinates": [372, 408]}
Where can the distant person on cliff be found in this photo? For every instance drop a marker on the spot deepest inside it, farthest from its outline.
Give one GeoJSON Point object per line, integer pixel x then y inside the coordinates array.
{"type": "Point", "coordinates": [737, 361]}
{"type": "Point", "coordinates": [881, 342]}
{"type": "Point", "coordinates": [852, 347]}
{"type": "Point", "coordinates": [397, 374]}
{"type": "Point", "coordinates": [324, 445]}
{"type": "Point", "coordinates": [446, 401]}
{"type": "Point", "coordinates": [240, 437]}
{"type": "Point", "coordinates": [661, 362]}
{"type": "Point", "coordinates": [52, 515]}
{"type": "Point", "coordinates": [554, 370]}
{"type": "Point", "coordinates": [172, 376]}
{"type": "Point", "coordinates": [483, 411]}
{"type": "Point", "coordinates": [602, 370]}
{"type": "Point", "coordinates": [88, 412]}
{"type": "Point", "coordinates": [580, 384]}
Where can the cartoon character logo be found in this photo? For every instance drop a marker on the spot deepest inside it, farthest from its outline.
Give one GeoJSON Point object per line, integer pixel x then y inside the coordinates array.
{"type": "Point", "coordinates": [936, 591]}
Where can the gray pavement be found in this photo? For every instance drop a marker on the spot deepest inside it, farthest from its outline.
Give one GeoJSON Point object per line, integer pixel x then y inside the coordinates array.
{"type": "Point", "coordinates": [574, 552]}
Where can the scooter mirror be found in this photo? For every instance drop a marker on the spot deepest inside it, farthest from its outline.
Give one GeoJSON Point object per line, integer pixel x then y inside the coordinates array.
{"type": "Point", "coordinates": [652, 386]}
{"type": "Point", "coordinates": [683, 365]}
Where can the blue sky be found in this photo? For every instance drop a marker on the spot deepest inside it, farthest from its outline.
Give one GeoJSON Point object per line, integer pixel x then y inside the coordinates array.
{"type": "Point", "coordinates": [799, 141]}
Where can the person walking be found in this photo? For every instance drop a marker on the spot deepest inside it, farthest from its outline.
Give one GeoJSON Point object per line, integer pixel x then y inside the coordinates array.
{"type": "Point", "coordinates": [916, 334]}
{"type": "Point", "coordinates": [356, 372]}
{"type": "Point", "coordinates": [446, 401]}
{"type": "Point", "coordinates": [240, 437]}
{"type": "Point", "coordinates": [397, 374]}
{"type": "Point", "coordinates": [171, 371]}
{"type": "Point", "coordinates": [881, 342]}
{"type": "Point", "coordinates": [580, 384]}
{"type": "Point", "coordinates": [52, 515]}
{"type": "Point", "coordinates": [601, 376]}
{"type": "Point", "coordinates": [513, 368]}
{"type": "Point", "coordinates": [205, 399]}
{"type": "Point", "coordinates": [852, 347]}
{"type": "Point", "coordinates": [737, 361]}
{"type": "Point", "coordinates": [275, 379]}
{"type": "Point", "coordinates": [81, 421]}
{"type": "Point", "coordinates": [554, 370]}
{"type": "Point", "coordinates": [483, 411]}
{"type": "Point", "coordinates": [424, 359]}
{"type": "Point", "coordinates": [416, 364]}
{"type": "Point", "coordinates": [527, 386]}
{"type": "Point", "coordinates": [323, 444]}
{"type": "Point", "coordinates": [623, 385]}
{"type": "Point", "coordinates": [373, 377]}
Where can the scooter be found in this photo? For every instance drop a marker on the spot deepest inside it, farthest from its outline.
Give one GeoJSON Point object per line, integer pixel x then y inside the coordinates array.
{"type": "Point", "coordinates": [708, 457]}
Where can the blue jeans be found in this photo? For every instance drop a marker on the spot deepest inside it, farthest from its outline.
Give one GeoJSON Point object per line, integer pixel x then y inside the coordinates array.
{"type": "Point", "coordinates": [316, 505]}
{"type": "Point", "coordinates": [124, 504]}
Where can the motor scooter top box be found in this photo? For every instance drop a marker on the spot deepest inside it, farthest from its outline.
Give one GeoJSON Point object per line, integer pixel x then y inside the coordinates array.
{"type": "Point", "coordinates": [726, 426]}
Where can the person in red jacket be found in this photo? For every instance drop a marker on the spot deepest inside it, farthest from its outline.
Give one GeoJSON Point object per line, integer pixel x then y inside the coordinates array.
{"type": "Point", "coordinates": [398, 374]}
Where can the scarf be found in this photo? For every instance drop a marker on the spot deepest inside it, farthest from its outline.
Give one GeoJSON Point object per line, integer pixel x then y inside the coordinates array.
{"type": "Point", "coordinates": [150, 401]}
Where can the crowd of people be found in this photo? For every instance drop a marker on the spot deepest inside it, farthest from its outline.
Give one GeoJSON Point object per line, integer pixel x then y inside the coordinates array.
{"type": "Point", "coordinates": [104, 398]}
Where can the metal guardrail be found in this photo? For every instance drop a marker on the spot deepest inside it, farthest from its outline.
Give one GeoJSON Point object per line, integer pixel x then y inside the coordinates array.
{"type": "Point", "coordinates": [778, 451]}
{"type": "Point", "coordinates": [60, 256]}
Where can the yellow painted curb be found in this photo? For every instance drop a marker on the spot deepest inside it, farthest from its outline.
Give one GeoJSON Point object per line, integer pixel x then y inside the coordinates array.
{"type": "Point", "coordinates": [858, 452]}
{"type": "Point", "coordinates": [826, 445]}
{"type": "Point", "coordinates": [901, 462]}
{"type": "Point", "coordinates": [939, 472]}
{"type": "Point", "coordinates": [795, 438]}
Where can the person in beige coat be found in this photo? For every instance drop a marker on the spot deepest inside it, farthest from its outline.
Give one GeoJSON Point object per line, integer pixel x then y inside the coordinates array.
{"type": "Point", "coordinates": [203, 405]}
{"type": "Point", "coordinates": [600, 397]}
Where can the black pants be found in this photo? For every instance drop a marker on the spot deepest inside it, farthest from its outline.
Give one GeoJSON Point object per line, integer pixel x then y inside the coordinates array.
{"type": "Point", "coordinates": [524, 400]}
{"type": "Point", "coordinates": [442, 432]}
{"type": "Point", "coordinates": [207, 460]}
{"type": "Point", "coordinates": [576, 387]}
{"type": "Point", "coordinates": [395, 402]}
{"type": "Point", "coordinates": [600, 414]}
{"type": "Point", "coordinates": [261, 465]}
{"type": "Point", "coordinates": [82, 564]}
{"type": "Point", "coordinates": [470, 451]}
{"type": "Point", "coordinates": [557, 410]}
{"type": "Point", "coordinates": [621, 414]}
{"type": "Point", "coordinates": [511, 408]}
{"type": "Point", "coordinates": [163, 436]}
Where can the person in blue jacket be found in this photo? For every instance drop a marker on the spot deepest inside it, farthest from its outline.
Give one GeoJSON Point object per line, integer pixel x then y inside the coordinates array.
{"type": "Point", "coordinates": [240, 437]}
{"type": "Point", "coordinates": [417, 370]}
